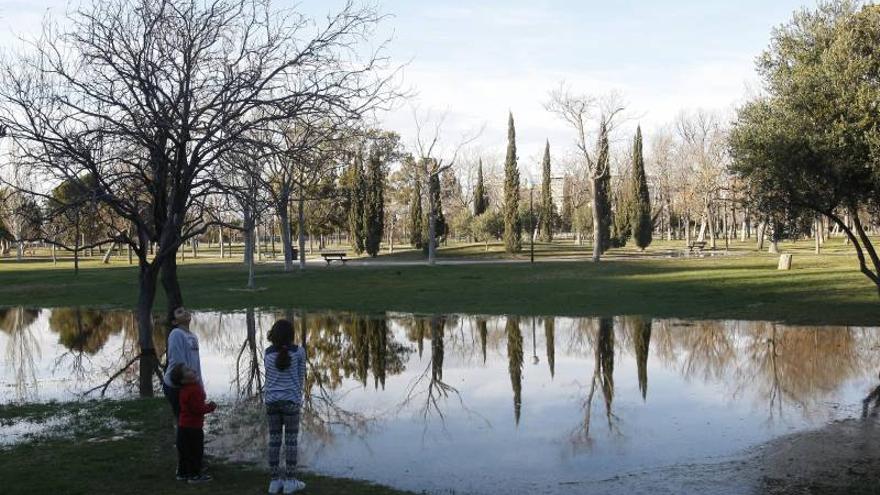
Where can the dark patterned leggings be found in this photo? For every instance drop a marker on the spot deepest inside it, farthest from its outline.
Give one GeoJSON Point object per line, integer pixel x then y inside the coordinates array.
{"type": "Point", "coordinates": [283, 425]}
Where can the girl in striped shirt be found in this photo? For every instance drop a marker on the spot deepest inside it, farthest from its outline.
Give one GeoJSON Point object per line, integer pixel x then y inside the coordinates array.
{"type": "Point", "coordinates": [285, 365]}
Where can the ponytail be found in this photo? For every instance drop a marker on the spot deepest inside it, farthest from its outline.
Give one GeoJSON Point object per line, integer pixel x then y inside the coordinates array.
{"type": "Point", "coordinates": [281, 336]}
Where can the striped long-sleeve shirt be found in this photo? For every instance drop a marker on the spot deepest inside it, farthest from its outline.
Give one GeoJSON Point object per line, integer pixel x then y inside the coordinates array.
{"type": "Point", "coordinates": [286, 384]}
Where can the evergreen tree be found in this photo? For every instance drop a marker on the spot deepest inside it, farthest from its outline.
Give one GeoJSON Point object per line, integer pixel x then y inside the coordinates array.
{"type": "Point", "coordinates": [622, 213]}
{"type": "Point", "coordinates": [415, 215]}
{"type": "Point", "coordinates": [547, 212]}
{"type": "Point", "coordinates": [356, 199]}
{"type": "Point", "coordinates": [566, 216]}
{"type": "Point", "coordinates": [440, 227]}
{"type": "Point", "coordinates": [374, 205]}
{"type": "Point", "coordinates": [603, 193]}
{"type": "Point", "coordinates": [642, 226]}
{"type": "Point", "coordinates": [481, 197]}
{"type": "Point", "coordinates": [512, 225]}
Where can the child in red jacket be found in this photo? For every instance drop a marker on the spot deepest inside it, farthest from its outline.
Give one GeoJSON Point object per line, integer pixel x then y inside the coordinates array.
{"type": "Point", "coordinates": [190, 435]}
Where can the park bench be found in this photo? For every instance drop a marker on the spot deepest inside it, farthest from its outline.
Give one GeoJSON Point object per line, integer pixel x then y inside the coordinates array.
{"type": "Point", "coordinates": [696, 247]}
{"type": "Point", "coordinates": [334, 256]}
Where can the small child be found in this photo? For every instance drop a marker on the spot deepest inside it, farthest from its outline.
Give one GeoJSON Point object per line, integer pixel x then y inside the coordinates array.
{"type": "Point", "coordinates": [190, 435]}
{"type": "Point", "coordinates": [285, 374]}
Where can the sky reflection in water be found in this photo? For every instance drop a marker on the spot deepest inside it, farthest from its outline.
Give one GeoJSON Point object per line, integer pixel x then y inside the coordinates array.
{"type": "Point", "coordinates": [482, 404]}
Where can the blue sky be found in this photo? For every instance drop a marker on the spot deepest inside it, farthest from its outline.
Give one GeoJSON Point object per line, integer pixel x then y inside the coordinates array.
{"type": "Point", "coordinates": [477, 60]}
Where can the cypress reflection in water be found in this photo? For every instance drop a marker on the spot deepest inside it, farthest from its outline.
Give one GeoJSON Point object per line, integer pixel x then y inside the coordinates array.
{"type": "Point", "coordinates": [484, 333]}
{"type": "Point", "coordinates": [550, 340]}
{"type": "Point", "coordinates": [642, 342]}
{"type": "Point", "coordinates": [515, 360]}
{"type": "Point", "coordinates": [605, 358]}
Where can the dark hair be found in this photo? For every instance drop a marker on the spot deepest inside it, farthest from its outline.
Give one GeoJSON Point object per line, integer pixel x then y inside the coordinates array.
{"type": "Point", "coordinates": [281, 336]}
{"type": "Point", "coordinates": [177, 374]}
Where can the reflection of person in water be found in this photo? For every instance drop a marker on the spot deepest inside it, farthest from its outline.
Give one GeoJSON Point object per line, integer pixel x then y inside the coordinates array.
{"type": "Point", "coordinates": [874, 397]}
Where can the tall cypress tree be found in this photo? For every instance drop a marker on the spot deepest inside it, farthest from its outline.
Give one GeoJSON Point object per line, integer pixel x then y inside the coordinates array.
{"type": "Point", "coordinates": [374, 205]}
{"type": "Point", "coordinates": [481, 198]}
{"type": "Point", "coordinates": [439, 220]}
{"type": "Point", "coordinates": [512, 226]}
{"type": "Point", "coordinates": [415, 215]}
{"type": "Point", "coordinates": [622, 212]}
{"type": "Point", "coordinates": [546, 199]}
{"type": "Point", "coordinates": [566, 216]}
{"type": "Point", "coordinates": [642, 225]}
{"type": "Point", "coordinates": [356, 192]}
{"type": "Point", "coordinates": [603, 192]}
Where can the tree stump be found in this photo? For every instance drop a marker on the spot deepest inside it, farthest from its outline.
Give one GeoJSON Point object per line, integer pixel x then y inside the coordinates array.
{"type": "Point", "coordinates": [785, 262]}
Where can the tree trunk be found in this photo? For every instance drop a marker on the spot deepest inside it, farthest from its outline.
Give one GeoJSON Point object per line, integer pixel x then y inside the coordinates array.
{"type": "Point", "coordinates": [107, 255]}
{"type": "Point", "coordinates": [75, 245]}
{"type": "Point", "coordinates": [301, 213]}
{"type": "Point", "coordinates": [146, 295]}
{"type": "Point", "coordinates": [286, 236]}
{"type": "Point", "coordinates": [170, 283]}
{"type": "Point", "coordinates": [251, 284]}
{"type": "Point", "coordinates": [759, 234]}
{"type": "Point", "coordinates": [222, 244]}
{"type": "Point", "coordinates": [687, 228]}
{"type": "Point", "coordinates": [432, 220]}
{"type": "Point", "coordinates": [272, 237]}
{"type": "Point", "coordinates": [597, 223]}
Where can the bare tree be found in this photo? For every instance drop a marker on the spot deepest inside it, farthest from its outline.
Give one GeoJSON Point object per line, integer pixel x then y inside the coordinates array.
{"type": "Point", "coordinates": [582, 111]}
{"type": "Point", "coordinates": [431, 163]}
{"type": "Point", "coordinates": [148, 96]}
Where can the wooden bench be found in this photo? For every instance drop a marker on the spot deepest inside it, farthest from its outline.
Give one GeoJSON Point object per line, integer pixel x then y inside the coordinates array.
{"type": "Point", "coordinates": [334, 256]}
{"type": "Point", "coordinates": [696, 246]}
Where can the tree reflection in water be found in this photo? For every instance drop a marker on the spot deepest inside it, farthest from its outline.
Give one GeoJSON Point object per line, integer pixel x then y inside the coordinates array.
{"type": "Point", "coordinates": [603, 379]}
{"type": "Point", "coordinates": [515, 362]}
{"type": "Point", "coordinates": [778, 368]}
{"type": "Point", "coordinates": [641, 338]}
{"type": "Point", "coordinates": [550, 342]}
{"type": "Point", "coordinates": [22, 350]}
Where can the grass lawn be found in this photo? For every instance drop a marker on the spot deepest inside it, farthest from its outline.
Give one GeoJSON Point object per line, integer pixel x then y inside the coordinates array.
{"type": "Point", "coordinates": [738, 284]}
{"type": "Point", "coordinates": [93, 457]}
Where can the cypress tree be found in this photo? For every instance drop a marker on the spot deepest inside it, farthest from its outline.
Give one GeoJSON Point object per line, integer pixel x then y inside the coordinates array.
{"type": "Point", "coordinates": [481, 198]}
{"type": "Point", "coordinates": [374, 206]}
{"type": "Point", "coordinates": [415, 215]}
{"type": "Point", "coordinates": [546, 199]}
{"type": "Point", "coordinates": [642, 225]}
{"type": "Point", "coordinates": [439, 220]}
{"type": "Point", "coordinates": [622, 213]}
{"type": "Point", "coordinates": [566, 216]}
{"type": "Point", "coordinates": [603, 193]}
{"type": "Point", "coordinates": [512, 225]}
{"type": "Point", "coordinates": [356, 192]}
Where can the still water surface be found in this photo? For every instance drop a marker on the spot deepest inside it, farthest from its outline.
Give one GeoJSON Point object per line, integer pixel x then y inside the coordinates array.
{"type": "Point", "coordinates": [482, 404]}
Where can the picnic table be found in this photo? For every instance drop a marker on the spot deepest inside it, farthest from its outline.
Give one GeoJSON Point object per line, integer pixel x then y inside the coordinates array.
{"type": "Point", "coordinates": [334, 256]}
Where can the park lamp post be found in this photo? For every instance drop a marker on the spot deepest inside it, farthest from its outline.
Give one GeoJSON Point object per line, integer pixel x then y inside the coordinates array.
{"type": "Point", "coordinates": [531, 222]}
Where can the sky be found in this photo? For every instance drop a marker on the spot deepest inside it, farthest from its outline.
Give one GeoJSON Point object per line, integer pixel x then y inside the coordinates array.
{"type": "Point", "coordinates": [473, 61]}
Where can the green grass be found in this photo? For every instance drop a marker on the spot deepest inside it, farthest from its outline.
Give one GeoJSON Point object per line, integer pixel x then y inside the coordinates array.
{"type": "Point", "coordinates": [742, 284]}
{"type": "Point", "coordinates": [88, 460]}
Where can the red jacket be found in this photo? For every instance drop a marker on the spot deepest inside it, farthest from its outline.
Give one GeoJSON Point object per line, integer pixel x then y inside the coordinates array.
{"type": "Point", "coordinates": [192, 406]}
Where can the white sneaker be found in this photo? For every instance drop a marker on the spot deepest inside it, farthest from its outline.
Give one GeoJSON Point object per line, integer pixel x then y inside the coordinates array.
{"type": "Point", "coordinates": [293, 485]}
{"type": "Point", "coordinates": [276, 485]}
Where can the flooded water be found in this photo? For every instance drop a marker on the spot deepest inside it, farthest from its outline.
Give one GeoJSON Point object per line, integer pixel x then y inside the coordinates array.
{"type": "Point", "coordinates": [484, 404]}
